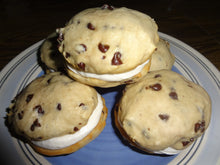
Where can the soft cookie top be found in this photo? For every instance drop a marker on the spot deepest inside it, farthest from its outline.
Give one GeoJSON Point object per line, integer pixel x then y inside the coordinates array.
{"type": "Point", "coordinates": [164, 109]}
{"type": "Point", "coordinates": [162, 58]}
{"type": "Point", "coordinates": [108, 40]}
{"type": "Point", "coordinates": [50, 55]}
{"type": "Point", "coordinates": [52, 105]}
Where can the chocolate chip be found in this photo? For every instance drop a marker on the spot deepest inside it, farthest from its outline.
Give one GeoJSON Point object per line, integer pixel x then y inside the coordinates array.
{"type": "Point", "coordinates": [189, 85]}
{"type": "Point", "coordinates": [32, 127]}
{"type": "Point", "coordinates": [59, 106]}
{"type": "Point", "coordinates": [35, 124]}
{"type": "Point", "coordinates": [103, 57]}
{"type": "Point", "coordinates": [106, 6]}
{"type": "Point", "coordinates": [199, 126]}
{"type": "Point", "coordinates": [49, 80]}
{"type": "Point", "coordinates": [129, 82]}
{"type": "Point", "coordinates": [29, 97]}
{"type": "Point", "coordinates": [39, 109]}
{"type": "Point", "coordinates": [80, 123]}
{"type": "Point", "coordinates": [103, 48]}
{"type": "Point", "coordinates": [75, 129]}
{"type": "Point", "coordinates": [20, 115]}
{"type": "Point", "coordinates": [82, 65]}
{"type": "Point", "coordinates": [164, 117]}
{"type": "Point", "coordinates": [90, 26]}
{"type": "Point", "coordinates": [185, 143]}
{"type": "Point", "coordinates": [81, 48]}
{"type": "Point", "coordinates": [173, 95]}
{"type": "Point", "coordinates": [81, 104]}
{"type": "Point", "coordinates": [84, 47]}
{"type": "Point", "coordinates": [116, 60]}
{"type": "Point", "coordinates": [157, 75]}
{"type": "Point", "coordinates": [156, 87]}
{"type": "Point", "coordinates": [67, 55]}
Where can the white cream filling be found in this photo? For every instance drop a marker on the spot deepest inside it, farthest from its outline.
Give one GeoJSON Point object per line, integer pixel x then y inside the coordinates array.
{"type": "Point", "coordinates": [70, 139]}
{"type": "Point", "coordinates": [168, 151]}
{"type": "Point", "coordinates": [111, 77]}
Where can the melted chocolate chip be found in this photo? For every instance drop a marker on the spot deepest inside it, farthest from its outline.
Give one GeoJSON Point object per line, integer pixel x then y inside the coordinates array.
{"type": "Point", "coordinates": [67, 55]}
{"type": "Point", "coordinates": [103, 57]}
{"type": "Point", "coordinates": [35, 124]}
{"type": "Point", "coordinates": [84, 47]}
{"type": "Point", "coordinates": [81, 104]}
{"type": "Point", "coordinates": [81, 48]}
{"type": "Point", "coordinates": [106, 6]}
{"type": "Point", "coordinates": [59, 106]}
{"type": "Point", "coordinates": [29, 97]}
{"type": "Point", "coordinates": [190, 86]}
{"type": "Point", "coordinates": [82, 66]}
{"type": "Point", "coordinates": [39, 109]}
{"type": "Point", "coordinates": [164, 117]}
{"type": "Point", "coordinates": [185, 143]}
{"type": "Point", "coordinates": [49, 80]}
{"type": "Point", "coordinates": [90, 26]}
{"type": "Point", "coordinates": [199, 126]}
{"type": "Point", "coordinates": [156, 87]}
{"type": "Point", "coordinates": [103, 48]}
{"type": "Point", "coordinates": [75, 129]}
{"type": "Point", "coordinates": [20, 115]}
{"type": "Point", "coordinates": [116, 60]}
{"type": "Point", "coordinates": [157, 75]}
{"type": "Point", "coordinates": [173, 95]}
{"type": "Point", "coordinates": [129, 82]}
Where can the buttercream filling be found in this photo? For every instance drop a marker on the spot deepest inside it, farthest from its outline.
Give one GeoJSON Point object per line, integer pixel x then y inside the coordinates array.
{"type": "Point", "coordinates": [111, 77]}
{"type": "Point", "coordinates": [70, 139]}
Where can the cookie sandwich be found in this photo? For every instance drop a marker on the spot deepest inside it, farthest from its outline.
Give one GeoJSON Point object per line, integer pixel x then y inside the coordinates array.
{"type": "Point", "coordinates": [57, 115]}
{"type": "Point", "coordinates": [162, 58]}
{"type": "Point", "coordinates": [163, 113]}
{"type": "Point", "coordinates": [50, 56]}
{"type": "Point", "coordinates": [108, 46]}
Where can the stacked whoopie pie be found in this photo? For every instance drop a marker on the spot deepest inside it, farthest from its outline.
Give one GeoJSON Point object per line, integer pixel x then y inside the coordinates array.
{"type": "Point", "coordinates": [160, 111]}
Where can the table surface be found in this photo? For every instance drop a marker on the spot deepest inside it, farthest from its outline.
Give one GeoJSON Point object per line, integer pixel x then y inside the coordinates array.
{"type": "Point", "coordinates": [195, 22]}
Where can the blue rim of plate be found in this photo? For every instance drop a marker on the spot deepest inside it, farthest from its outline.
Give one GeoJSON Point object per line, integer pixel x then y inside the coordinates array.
{"type": "Point", "coordinates": [34, 158]}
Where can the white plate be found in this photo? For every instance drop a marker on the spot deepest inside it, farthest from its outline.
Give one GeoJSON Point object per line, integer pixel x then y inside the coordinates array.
{"type": "Point", "coordinates": [108, 148]}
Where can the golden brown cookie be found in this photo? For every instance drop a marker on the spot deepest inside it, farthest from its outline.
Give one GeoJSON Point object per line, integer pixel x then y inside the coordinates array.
{"type": "Point", "coordinates": [58, 115]}
{"type": "Point", "coordinates": [162, 58]}
{"type": "Point", "coordinates": [49, 54]}
{"type": "Point", "coordinates": [163, 112]}
{"type": "Point", "coordinates": [110, 45]}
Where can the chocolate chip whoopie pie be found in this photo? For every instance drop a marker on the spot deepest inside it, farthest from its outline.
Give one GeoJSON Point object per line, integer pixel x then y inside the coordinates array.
{"type": "Point", "coordinates": [57, 115]}
{"type": "Point", "coordinates": [108, 46]}
{"type": "Point", "coordinates": [50, 56]}
{"type": "Point", "coordinates": [163, 113]}
{"type": "Point", "coordinates": [162, 58]}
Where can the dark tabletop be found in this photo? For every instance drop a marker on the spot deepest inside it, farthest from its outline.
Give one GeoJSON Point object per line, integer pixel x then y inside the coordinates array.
{"type": "Point", "coordinates": [195, 22]}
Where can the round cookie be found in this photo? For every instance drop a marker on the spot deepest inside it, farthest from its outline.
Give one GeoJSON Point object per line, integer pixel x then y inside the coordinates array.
{"type": "Point", "coordinates": [112, 45]}
{"type": "Point", "coordinates": [58, 115]}
{"type": "Point", "coordinates": [49, 54]}
{"type": "Point", "coordinates": [162, 58]}
{"type": "Point", "coordinates": [163, 112]}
